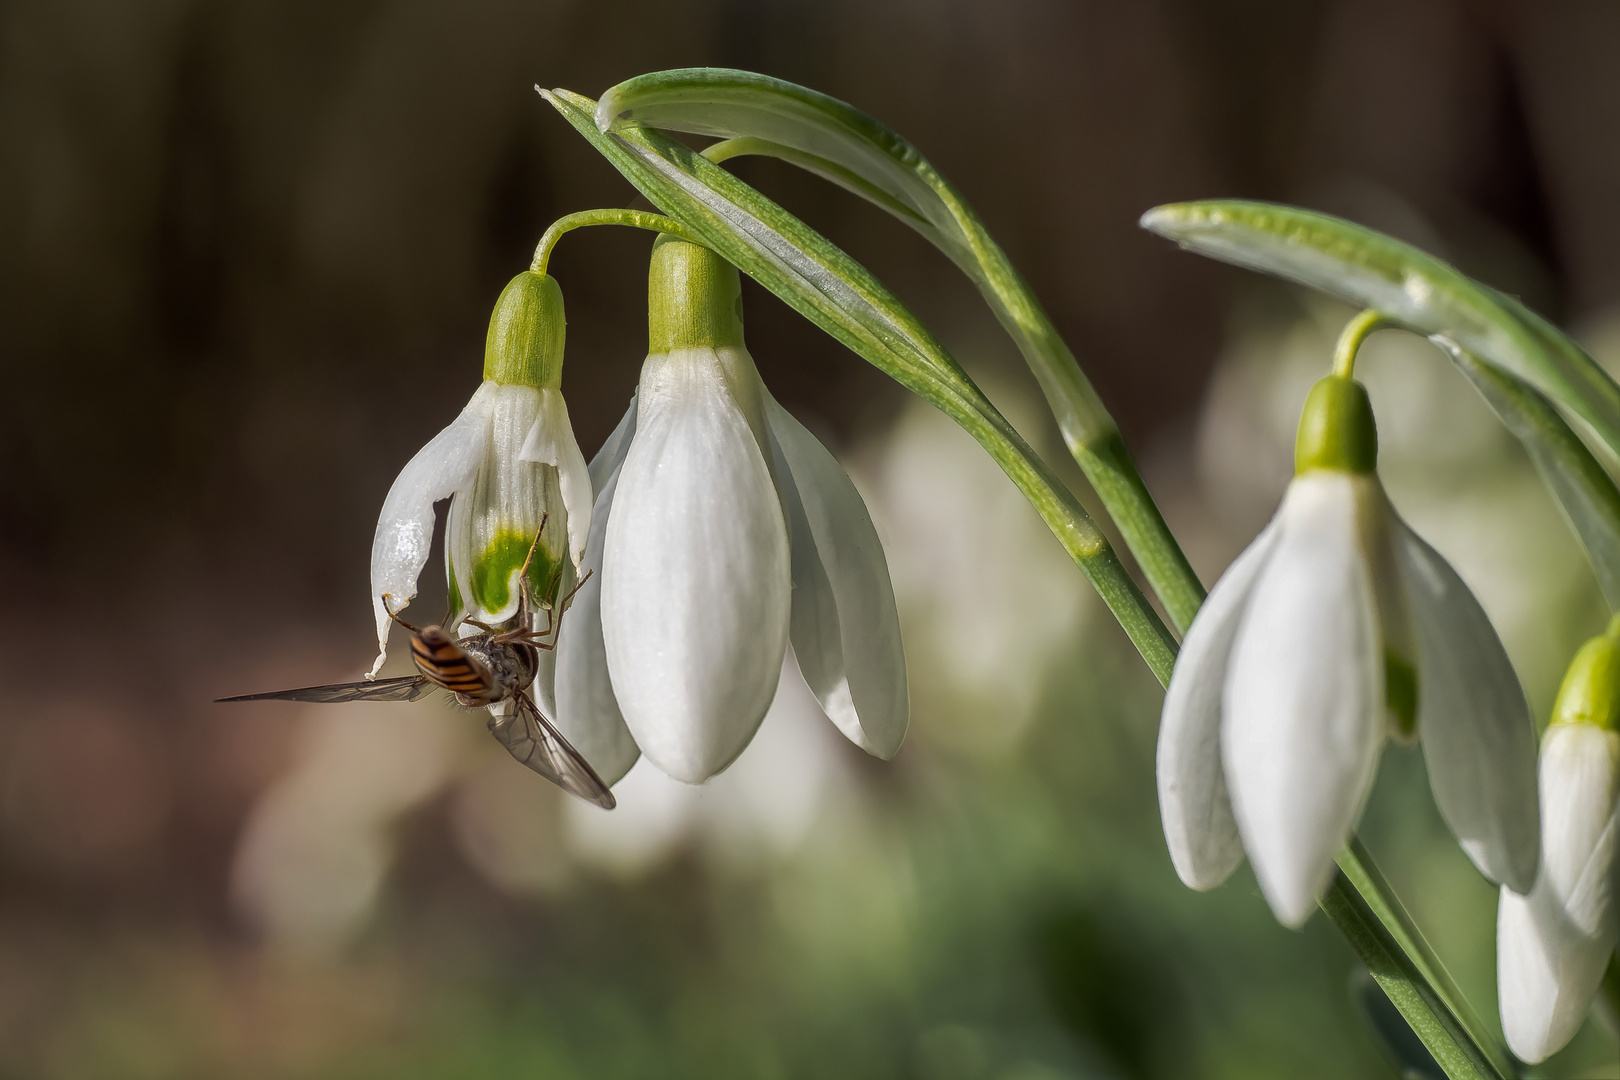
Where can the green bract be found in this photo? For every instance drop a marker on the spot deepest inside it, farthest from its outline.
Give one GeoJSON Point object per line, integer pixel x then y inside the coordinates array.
{"type": "Point", "coordinates": [1405, 285]}
{"type": "Point", "coordinates": [1516, 359]}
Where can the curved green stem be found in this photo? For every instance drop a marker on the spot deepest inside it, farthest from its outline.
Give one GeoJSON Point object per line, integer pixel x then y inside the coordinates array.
{"type": "Point", "coordinates": [1358, 330]}
{"type": "Point", "coordinates": [637, 219]}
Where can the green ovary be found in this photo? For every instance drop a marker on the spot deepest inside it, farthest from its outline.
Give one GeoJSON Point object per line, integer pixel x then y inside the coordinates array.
{"type": "Point", "coordinates": [452, 588]}
{"type": "Point", "coordinates": [1401, 695]}
{"type": "Point", "coordinates": [494, 569]}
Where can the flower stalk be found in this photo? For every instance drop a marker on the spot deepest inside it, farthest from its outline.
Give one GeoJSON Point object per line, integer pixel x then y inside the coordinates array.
{"type": "Point", "coordinates": [636, 219]}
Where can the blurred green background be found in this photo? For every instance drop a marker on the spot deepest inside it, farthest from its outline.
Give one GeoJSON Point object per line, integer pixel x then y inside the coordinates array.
{"type": "Point", "coordinates": [247, 253]}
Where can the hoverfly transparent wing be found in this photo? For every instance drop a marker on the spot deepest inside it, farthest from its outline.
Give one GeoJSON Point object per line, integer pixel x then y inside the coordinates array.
{"type": "Point", "coordinates": [404, 688]}
{"type": "Point", "coordinates": [529, 737]}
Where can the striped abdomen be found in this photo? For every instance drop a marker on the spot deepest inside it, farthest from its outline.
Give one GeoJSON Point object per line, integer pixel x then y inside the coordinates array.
{"type": "Point", "coordinates": [449, 665]}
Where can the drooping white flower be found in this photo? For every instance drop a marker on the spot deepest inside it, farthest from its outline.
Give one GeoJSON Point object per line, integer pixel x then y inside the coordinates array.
{"type": "Point", "coordinates": [1552, 946]}
{"type": "Point", "coordinates": [723, 529]}
{"type": "Point", "coordinates": [509, 464]}
{"type": "Point", "coordinates": [1337, 627]}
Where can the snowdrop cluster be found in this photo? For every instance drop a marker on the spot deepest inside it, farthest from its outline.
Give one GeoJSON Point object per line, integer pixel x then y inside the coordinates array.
{"type": "Point", "coordinates": [1337, 629]}
{"type": "Point", "coordinates": [710, 531]}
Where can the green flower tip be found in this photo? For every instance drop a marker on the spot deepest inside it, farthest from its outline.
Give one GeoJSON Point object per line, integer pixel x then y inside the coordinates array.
{"type": "Point", "coordinates": [1590, 693]}
{"type": "Point", "coordinates": [1336, 429]}
{"type": "Point", "coordinates": [525, 342]}
{"type": "Point", "coordinates": [694, 298]}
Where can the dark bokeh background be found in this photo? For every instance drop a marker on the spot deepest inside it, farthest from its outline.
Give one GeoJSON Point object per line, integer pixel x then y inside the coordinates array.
{"type": "Point", "coordinates": [247, 253]}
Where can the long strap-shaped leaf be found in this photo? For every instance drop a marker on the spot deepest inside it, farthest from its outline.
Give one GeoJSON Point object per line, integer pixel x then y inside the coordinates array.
{"type": "Point", "coordinates": [845, 145]}
{"type": "Point", "coordinates": [1415, 983]}
{"type": "Point", "coordinates": [821, 282]}
{"type": "Point", "coordinates": [1583, 489]}
{"type": "Point", "coordinates": [1448, 1007]}
{"type": "Point", "coordinates": [1407, 285]}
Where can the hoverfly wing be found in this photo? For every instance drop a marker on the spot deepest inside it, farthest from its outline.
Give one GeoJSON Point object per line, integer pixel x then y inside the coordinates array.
{"type": "Point", "coordinates": [530, 737]}
{"type": "Point", "coordinates": [404, 688]}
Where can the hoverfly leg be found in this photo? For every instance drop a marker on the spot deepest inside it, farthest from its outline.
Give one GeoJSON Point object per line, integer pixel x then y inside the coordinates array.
{"type": "Point", "coordinates": [554, 615]}
{"type": "Point", "coordinates": [392, 614]}
{"type": "Point", "coordinates": [569, 599]}
{"type": "Point", "coordinates": [524, 598]}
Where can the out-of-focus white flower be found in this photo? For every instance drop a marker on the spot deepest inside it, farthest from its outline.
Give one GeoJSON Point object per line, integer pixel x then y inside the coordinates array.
{"type": "Point", "coordinates": [1337, 626]}
{"type": "Point", "coordinates": [760, 810]}
{"type": "Point", "coordinates": [723, 529]}
{"type": "Point", "coordinates": [509, 464]}
{"type": "Point", "coordinates": [947, 515]}
{"type": "Point", "coordinates": [314, 852]}
{"type": "Point", "coordinates": [1552, 946]}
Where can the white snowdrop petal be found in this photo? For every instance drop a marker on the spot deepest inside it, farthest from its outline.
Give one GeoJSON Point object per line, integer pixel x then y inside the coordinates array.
{"type": "Point", "coordinates": [1478, 737]}
{"type": "Point", "coordinates": [1537, 1017]}
{"type": "Point", "coordinates": [1552, 947]}
{"type": "Point", "coordinates": [1303, 703]}
{"type": "Point", "coordinates": [611, 456]}
{"type": "Point", "coordinates": [695, 584]}
{"type": "Point", "coordinates": [551, 442]}
{"type": "Point", "coordinates": [404, 534]}
{"type": "Point", "coordinates": [844, 625]}
{"type": "Point", "coordinates": [1547, 971]}
{"type": "Point", "coordinates": [587, 712]}
{"type": "Point", "coordinates": [1193, 803]}
{"type": "Point", "coordinates": [1578, 805]}
{"type": "Point", "coordinates": [459, 545]}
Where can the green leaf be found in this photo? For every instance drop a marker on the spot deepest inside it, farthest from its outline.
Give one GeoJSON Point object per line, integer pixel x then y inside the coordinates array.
{"type": "Point", "coordinates": [1582, 487]}
{"type": "Point", "coordinates": [783, 116]}
{"type": "Point", "coordinates": [821, 282]}
{"type": "Point", "coordinates": [830, 138]}
{"type": "Point", "coordinates": [1362, 906]}
{"type": "Point", "coordinates": [1407, 285]}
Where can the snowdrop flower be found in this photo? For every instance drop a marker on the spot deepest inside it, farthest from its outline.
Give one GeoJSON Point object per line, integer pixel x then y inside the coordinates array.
{"type": "Point", "coordinates": [1552, 946]}
{"type": "Point", "coordinates": [508, 464]}
{"type": "Point", "coordinates": [722, 530]}
{"type": "Point", "coordinates": [1336, 628]}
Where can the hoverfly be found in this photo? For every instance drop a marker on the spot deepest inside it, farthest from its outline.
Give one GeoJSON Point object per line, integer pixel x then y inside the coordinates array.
{"type": "Point", "coordinates": [490, 668]}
